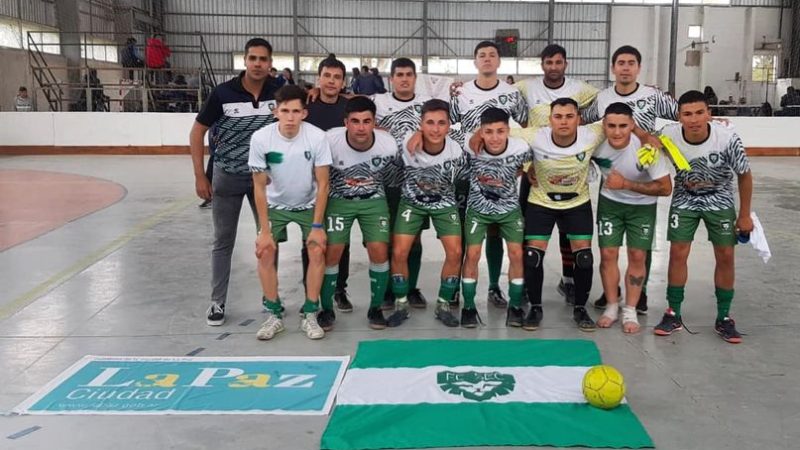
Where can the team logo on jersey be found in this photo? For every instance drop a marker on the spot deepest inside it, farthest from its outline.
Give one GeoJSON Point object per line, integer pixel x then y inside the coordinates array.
{"type": "Point", "coordinates": [376, 161]}
{"type": "Point", "coordinates": [641, 103]}
{"type": "Point", "coordinates": [271, 105]}
{"type": "Point", "coordinates": [581, 156]}
{"type": "Point", "coordinates": [307, 154]}
{"type": "Point", "coordinates": [418, 108]}
{"type": "Point", "coordinates": [713, 158]}
{"type": "Point", "coordinates": [503, 99]}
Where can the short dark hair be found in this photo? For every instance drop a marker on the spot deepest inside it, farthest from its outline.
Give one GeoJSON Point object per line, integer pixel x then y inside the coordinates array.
{"type": "Point", "coordinates": [357, 104]}
{"type": "Point", "coordinates": [258, 42]}
{"type": "Point", "coordinates": [365, 67]}
{"type": "Point", "coordinates": [402, 62]}
{"type": "Point", "coordinates": [290, 92]}
{"type": "Point", "coordinates": [553, 50]}
{"type": "Point", "coordinates": [23, 88]}
{"type": "Point", "coordinates": [494, 115]}
{"type": "Point", "coordinates": [564, 101]}
{"type": "Point", "coordinates": [435, 104]}
{"type": "Point", "coordinates": [332, 63]}
{"type": "Point", "coordinates": [627, 50]}
{"type": "Point", "coordinates": [692, 97]}
{"type": "Point", "coordinates": [619, 108]}
{"type": "Point", "coordinates": [485, 44]}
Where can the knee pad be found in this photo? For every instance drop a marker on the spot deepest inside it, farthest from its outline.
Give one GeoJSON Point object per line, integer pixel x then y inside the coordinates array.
{"type": "Point", "coordinates": [584, 258]}
{"type": "Point", "coordinates": [534, 258]}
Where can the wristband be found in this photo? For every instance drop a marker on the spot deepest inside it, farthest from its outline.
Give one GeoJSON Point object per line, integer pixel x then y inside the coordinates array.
{"type": "Point", "coordinates": [317, 226]}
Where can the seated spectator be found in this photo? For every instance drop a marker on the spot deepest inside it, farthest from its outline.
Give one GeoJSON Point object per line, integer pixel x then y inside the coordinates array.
{"type": "Point", "coordinates": [22, 103]}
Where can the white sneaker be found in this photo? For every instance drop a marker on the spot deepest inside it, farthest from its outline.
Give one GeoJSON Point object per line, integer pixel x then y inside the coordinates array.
{"type": "Point", "coordinates": [272, 326]}
{"type": "Point", "coordinates": [215, 314]}
{"type": "Point", "coordinates": [311, 327]}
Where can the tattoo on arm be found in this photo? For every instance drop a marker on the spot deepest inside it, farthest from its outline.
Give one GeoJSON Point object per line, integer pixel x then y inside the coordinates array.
{"type": "Point", "coordinates": [636, 281]}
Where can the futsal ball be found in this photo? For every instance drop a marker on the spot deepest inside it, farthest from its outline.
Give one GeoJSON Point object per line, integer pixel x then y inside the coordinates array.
{"type": "Point", "coordinates": [603, 387]}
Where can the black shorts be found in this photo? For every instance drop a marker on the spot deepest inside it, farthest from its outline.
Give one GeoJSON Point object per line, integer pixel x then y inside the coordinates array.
{"type": "Point", "coordinates": [576, 222]}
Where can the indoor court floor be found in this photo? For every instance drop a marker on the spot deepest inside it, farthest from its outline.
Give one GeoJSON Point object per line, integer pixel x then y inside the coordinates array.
{"type": "Point", "coordinates": [132, 278]}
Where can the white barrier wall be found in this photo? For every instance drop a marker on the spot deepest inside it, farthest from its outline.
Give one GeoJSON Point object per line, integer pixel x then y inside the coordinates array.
{"type": "Point", "coordinates": [87, 129]}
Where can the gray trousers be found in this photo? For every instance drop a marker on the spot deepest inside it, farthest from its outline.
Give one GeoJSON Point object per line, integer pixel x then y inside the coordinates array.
{"type": "Point", "coordinates": [228, 192]}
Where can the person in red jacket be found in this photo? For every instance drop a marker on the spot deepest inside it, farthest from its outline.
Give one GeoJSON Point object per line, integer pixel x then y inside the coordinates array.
{"type": "Point", "coordinates": [156, 54]}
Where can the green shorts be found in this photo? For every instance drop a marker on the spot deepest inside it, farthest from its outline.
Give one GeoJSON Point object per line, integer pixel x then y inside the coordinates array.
{"type": "Point", "coordinates": [510, 225]}
{"type": "Point", "coordinates": [410, 220]}
{"type": "Point", "coordinates": [393, 199]}
{"type": "Point", "coordinates": [280, 218]}
{"type": "Point", "coordinates": [372, 216]}
{"type": "Point", "coordinates": [721, 225]}
{"type": "Point", "coordinates": [636, 222]}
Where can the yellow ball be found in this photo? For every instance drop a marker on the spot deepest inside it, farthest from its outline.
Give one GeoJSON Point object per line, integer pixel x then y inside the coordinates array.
{"type": "Point", "coordinates": [603, 387]}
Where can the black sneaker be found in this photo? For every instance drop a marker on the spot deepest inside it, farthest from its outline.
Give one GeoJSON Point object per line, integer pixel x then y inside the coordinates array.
{"type": "Point", "coordinates": [514, 317]}
{"type": "Point", "coordinates": [444, 315]}
{"type": "Point", "coordinates": [376, 319]}
{"type": "Point", "coordinates": [388, 301]}
{"type": "Point", "coordinates": [397, 318]}
{"type": "Point", "coordinates": [205, 205]}
{"type": "Point", "coordinates": [416, 299]}
{"type": "Point", "coordinates": [456, 300]}
{"type": "Point", "coordinates": [497, 298]}
{"type": "Point", "coordinates": [582, 319]}
{"type": "Point", "coordinates": [669, 324]}
{"type": "Point", "coordinates": [533, 319]}
{"type": "Point", "coordinates": [641, 307]}
{"type": "Point", "coordinates": [342, 302]}
{"type": "Point", "coordinates": [469, 318]}
{"type": "Point", "coordinates": [726, 329]}
{"type": "Point", "coordinates": [568, 291]}
{"type": "Point", "coordinates": [326, 319]}
{"type": "Point", "coordinates": [215, 315]}
{"type": "Point", "coordinates": [601, 302]}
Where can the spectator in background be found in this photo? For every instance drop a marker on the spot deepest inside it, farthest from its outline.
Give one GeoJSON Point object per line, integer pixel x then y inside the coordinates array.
{"type": "Point", "coordinates": [354, 80]}
{"type": "Point", "coordinates": [381, 88]}
{"type": "Point", "coordinates": [711, 98]}
{"type": "Point", "coordinates": [366, 83]}
{"type": "Point", "coordinates": [790, 102]}
{"type": "Point", "coordinates": [287, 76]}
{"type": "Point", "coordinates": [131, 57]}
{"type": "Point", "coordinates": [156, 54]}
{"type": "Point", "coordinates": [279, 81]}
{"type": "Point", "coordinates": [510, 79]}
{"type": "Point", "coordinates": [22, 103]}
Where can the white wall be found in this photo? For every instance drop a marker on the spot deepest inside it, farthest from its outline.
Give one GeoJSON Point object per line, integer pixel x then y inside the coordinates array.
{"type": "Point", "coordinates": [86, 129]}
{"type": "Point", "coordinates": [736, 32]}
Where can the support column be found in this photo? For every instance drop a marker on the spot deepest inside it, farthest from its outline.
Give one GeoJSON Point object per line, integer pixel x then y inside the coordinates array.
{"type": "Point", "coordinates": [673, 47]}
{"type": "Point", "coordinates": [68, 21]}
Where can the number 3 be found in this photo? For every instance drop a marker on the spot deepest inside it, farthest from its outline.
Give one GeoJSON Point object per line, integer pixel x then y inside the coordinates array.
{"type": "Point", "coordinates": [674, 221]}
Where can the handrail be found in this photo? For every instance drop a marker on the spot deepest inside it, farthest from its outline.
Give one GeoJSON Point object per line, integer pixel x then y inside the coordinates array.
{"type": "Point", "coordinates": [206, 61]}
{"type": "Point", "coordinates": [44, 76]}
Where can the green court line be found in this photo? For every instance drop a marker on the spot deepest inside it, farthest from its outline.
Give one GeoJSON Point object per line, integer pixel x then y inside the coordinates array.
{"type": "Point", "coordinates": [91, 259]}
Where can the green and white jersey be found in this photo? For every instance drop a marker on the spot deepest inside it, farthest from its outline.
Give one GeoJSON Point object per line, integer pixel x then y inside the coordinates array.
{"type": "Point", "coordinates": [290, 164]}
{"type": "Point", "coordinates": [357, 174]}
{"type": "Point", "coordinates": [647, 103]}
{"type": "Point", "coordinates": [429, 180]}
{"type": "Point", "coordinates": [472, 101]}
{"type": "Point", "coordinates": [493, 178]}
{"type": "Point", "coordinates": [715, 162]}
{"type": "Point", "coordinates": [539, 97]}
{"type": "Point", "coordinates": [399, 117]}
{"type": "Point", "coordinates": [626, 162]}
{"type": "Point", "coordinates": [562, 172]}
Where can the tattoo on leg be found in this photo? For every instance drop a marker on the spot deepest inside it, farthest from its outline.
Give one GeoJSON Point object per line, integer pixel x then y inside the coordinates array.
{"type": "Point", "coordinates": [636, 281]}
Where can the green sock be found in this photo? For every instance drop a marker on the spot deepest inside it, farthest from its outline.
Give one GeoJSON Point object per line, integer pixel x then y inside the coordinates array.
{"type": "Point", "coordinates": [468, 288]}
{"type": "Point", "coordinates": [414, 264]}
{"type": "Point", "coordinates": [378, 282]}
{"type": "Point", "coordinates": [515, 289]}
{"type": "Point", "coordinates": [399, 286]}
{"type": "Point", "coordinates": [724, 299]}
{"type": "Point", "coordinates": [494, 259]}
{"type": "Point", "coordinates": [675, 298]}
{"type": "Point", "coordinates": [310, 306]}
{"type": "Point", "coordinates": [329, 287]}
{"type": "Point", "coordinates": [274, 306]}
{"type": "Point", "coordinates": [447, 288]}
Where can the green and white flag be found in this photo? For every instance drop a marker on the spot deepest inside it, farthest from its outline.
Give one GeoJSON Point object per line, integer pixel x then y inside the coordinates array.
{"type": "Point", "coordinates": [447, 393]}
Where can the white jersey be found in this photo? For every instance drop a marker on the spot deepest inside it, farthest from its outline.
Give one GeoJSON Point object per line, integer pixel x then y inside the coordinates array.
{"type": "Point", "coordinates": [357, 174]}
{"type": "Point", "coordinates": [647, 103]}
{"type": "Point", "coordinates": [626, 162]}
{"type": "Point", "coordinates": [399, 117]}
{"type": "Point", "coordinates": [493, 178]}
{"type": "Point", "coordinates": [472, 101]}
{"type": "Point", "coordinates": [539, 97]}
{"type": "Point", "coordinates": [290, 164]}
{"type": "Point", "coordinates": [709, 185]}
{"type": "Point", "coordinates": [429, 180]}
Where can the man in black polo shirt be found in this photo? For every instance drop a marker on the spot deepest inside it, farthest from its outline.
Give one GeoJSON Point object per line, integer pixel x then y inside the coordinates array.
{"type": "Point", "coordinates": [237, 108]}
{"type": "Point", "coordinates": [326, 112]}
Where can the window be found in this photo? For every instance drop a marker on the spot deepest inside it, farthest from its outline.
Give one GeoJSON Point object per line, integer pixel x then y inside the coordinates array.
{"type": "Point", "coordinates": [695, 32]}
{"type": "Point", "coordinates": [530, 66]}
{"type": "Point", "coordinates": [764, 67]}
{"type": "Point", "coordinates": [442, 66]}
{"type": "Point", "coordinates": [99, 50]}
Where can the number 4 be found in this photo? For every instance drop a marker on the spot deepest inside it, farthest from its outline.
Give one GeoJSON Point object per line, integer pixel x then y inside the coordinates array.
{"type": "Point", "coordinates": [406, 215]}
